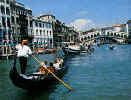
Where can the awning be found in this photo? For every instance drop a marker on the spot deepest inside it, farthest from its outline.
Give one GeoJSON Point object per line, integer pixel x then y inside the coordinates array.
{"type": "Point", "coordinates": [12, 44]}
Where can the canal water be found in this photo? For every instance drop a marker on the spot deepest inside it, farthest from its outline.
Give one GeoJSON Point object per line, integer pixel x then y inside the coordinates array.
{"type": "Point", "coordinates": [102, 75]}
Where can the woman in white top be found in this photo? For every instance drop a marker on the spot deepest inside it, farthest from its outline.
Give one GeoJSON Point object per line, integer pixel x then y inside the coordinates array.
{"type": "Point", "coordinates": [56, 65]}
{"type": "Point", "coordinates": [23, 51]}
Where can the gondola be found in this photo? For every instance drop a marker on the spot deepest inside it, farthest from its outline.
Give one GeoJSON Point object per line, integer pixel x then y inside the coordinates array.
{"type": "Point", "coordinates": [36, 80]}
{"type": "Point", "coordinates": [111, 47]}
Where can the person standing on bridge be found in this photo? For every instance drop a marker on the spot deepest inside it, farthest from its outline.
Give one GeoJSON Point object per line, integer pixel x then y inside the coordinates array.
{"type": "Point", "coordinates": [23, 51]}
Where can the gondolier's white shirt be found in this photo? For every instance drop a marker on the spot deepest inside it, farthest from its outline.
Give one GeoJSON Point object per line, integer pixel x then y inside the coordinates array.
{"type": "Point", "coordinates": [24, 50]}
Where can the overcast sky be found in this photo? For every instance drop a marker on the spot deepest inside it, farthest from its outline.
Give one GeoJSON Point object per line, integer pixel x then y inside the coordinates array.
{"type": "Point", "coordinates": [83, 14]}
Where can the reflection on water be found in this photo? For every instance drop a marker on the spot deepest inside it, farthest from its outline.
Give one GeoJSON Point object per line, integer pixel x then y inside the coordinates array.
{"type": "Point", "coordinates": [103, 75]}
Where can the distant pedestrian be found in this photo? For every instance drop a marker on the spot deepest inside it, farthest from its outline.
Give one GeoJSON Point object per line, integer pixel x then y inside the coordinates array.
{"type": "Point", "coordinates": [23, 52]}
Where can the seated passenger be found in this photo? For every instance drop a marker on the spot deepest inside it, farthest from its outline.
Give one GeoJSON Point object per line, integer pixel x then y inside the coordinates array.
{"type": "Point", "coordinates": [42, 69]}
{"type": "Point", "coordinates": [60, 61]}
{"type": "Point", "coordinates": [51, 68]}
{"type": "Point", "coordinates": [56, 65]}
{"type": "Point", "coordinates": [46, 63]}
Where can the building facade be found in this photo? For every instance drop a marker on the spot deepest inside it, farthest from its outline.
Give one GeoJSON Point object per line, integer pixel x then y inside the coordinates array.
{"type": "Point", "coordinates": [128, 26]}
{"type": "Point", "coordinates": [61, 32]}
{"type": "Point", "coordinates": [21, 21]}
{"type": "Point", "coordinates": [15, 22]}
{"type": "Point", "coordinates": [42, 34]}
{"type": "Point", "coordinates": [5, 22]}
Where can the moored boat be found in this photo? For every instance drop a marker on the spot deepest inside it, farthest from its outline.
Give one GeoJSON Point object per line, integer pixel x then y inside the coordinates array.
{"type": "Point", "coordinates": [40, 50]}
{"type": "Point", "coordinates": [49, 51]}
{"type": "Point", "coordinates": [73, 50]}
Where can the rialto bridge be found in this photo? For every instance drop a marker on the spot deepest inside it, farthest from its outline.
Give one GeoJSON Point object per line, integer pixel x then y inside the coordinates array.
{"type": "Point", "coordinates": [106, 35]}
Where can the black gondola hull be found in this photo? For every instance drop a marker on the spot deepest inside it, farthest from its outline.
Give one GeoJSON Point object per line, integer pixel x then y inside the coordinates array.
{"type": "Point", "coordinates": [34, 81]}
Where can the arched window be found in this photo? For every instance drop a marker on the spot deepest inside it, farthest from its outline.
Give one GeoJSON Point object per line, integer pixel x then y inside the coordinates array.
{"type": "Point", "coordinates": [50, 33]}
{"type": "Point", "coordinates": [85, 38]}
{"type": "Point", "coordinates": [7, 11]}
{"type": "Point", "coordinates": [47, 33]}
{"type": "Point", "coordinates": [39, 24]}
{"type": "Point", "coordinates": [3, 22]}
{"type": "Point", "coordinates": [37, 32]}
{"type": "Point", "coordinates": [118, 35]}
{"type": "Point", "coordinates": [40, 32]}
{"type": "Point", "coordinates": [2, 9]}
{"type": "Point", "coordinates": [36, 24]}
{"type": "Point", "coordinates": [125, 36]}
{"type": "Point", "coordinates": [2, 0]}
{"type": "Point", "coordinates": [12, 19]}
{"type": "Point", "coordinates": [98, 34]}
{"type": "Point", "coordinates": [7, 1]}
{"type": "Point", "coordinates": [111, 34]}
{"type": "Point", "coordinates": [8, 22]}
{"type": "Point", "coordinates": [108, 33]}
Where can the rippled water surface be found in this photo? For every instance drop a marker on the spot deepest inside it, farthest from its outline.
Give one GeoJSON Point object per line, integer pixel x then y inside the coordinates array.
{"type": "Point", "coordinates": [102, 75]}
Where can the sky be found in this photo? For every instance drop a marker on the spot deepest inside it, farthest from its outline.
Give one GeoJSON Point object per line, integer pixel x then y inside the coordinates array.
{"type": "Point", "coordinates": [83, 14]}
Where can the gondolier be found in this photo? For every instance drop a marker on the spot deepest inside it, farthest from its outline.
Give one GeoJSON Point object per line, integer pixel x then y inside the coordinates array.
{"type": "Point", "coordinates": [59, 52]}
{"type": "Point", "coordinates": [23, 51]}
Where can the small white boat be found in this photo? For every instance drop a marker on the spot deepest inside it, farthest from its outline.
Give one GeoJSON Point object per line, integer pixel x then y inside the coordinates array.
{"type": "Point", "coordinates": [74, 49]}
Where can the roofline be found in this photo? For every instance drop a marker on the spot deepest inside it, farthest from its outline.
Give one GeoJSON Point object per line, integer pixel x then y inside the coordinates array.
{"type": "Point", "coordinates": [43, 15]}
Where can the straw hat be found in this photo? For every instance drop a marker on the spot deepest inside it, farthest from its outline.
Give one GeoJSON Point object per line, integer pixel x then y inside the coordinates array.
{"type": "Point", "coordinates": [24, 40]}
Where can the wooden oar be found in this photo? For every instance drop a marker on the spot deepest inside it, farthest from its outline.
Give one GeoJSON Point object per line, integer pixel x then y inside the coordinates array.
{"type": "Point", "coordinates": [62, 82]}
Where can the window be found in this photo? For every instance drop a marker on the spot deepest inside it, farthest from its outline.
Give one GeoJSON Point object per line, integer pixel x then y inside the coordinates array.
{"type": "Point", "coordinates": [8, 22]}
{"type": "Point", "coordinates": [2, 10]}
{"type": "Point", "coordinates": [47, 33]}
{"type": "Point", "coordinates": [4, 35]}
{"type": "Point", "coordinates": [36, 32]}
{"type": "Point", "coordinates": [44, 32]}
{"type": "Point", "coordinates": [12, 19]}
{"type": "Point", "coordinates": [17, 20]}
{"type": "Point", "coordinates": [46, 25]}
{"type": "Point", "coordinates": [40, 32]}
{"type": "Point", "coordinates": [31, 24]}
{"type": "Point", "coordinates": [125, 36]}
{"type": "Point", "coordinates": [39, 24]}
{"type": "Point", "coordinates": [118, 35]}
{"type": "Point", "coordinates": [49, 25]}
{"type": "Point", "coordinates": [36, 24]}
{"type": "Point", "coordinates": [108, 33]}
{"type": "Point", "coordinates": [7, 1]}
{"type": "Point", "coordinates": [7, 11]}
{"type": "Point", "coordinates": [95, 35]}
{"type": "Point", "coordinates": [2, 0]}
{"type": "Point", "coordinates": [3, 22]}
{"type": "Point", "coordinates": [50, 33]}
{"type": "Point", "coordinates": [98, 34]}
